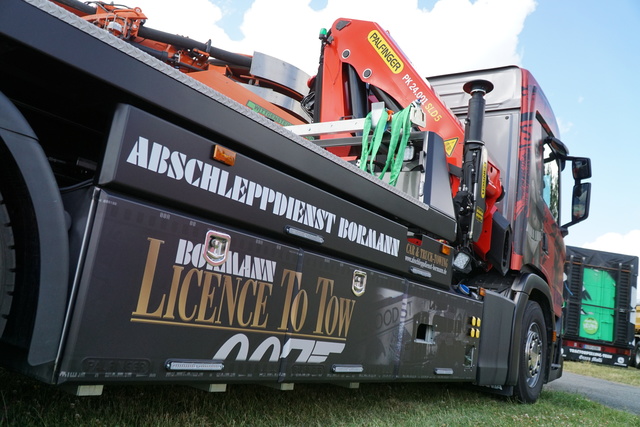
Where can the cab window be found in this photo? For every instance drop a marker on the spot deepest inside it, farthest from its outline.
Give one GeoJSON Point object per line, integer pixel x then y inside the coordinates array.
{"type": "Point", "coordinates": [551, 181]}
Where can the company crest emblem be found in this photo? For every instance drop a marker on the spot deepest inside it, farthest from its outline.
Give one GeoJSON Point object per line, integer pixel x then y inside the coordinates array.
{"type": "Point", "coordinates": [216, 247]}
{"type": "Point", "coordinates": [359, 282]}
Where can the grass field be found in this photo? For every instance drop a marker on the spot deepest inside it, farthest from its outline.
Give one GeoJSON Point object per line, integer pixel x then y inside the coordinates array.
{"type": "Point", "coordinates": [28, 403]}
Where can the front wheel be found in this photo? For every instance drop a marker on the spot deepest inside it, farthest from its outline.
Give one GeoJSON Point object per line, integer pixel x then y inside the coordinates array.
{"type": "Point", "coordinates": [636, 354]}
{"type": "Point", "coordinates": [533, 354]}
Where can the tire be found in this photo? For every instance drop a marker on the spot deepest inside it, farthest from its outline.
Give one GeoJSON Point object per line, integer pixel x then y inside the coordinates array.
{"type": "Point", "coordinates": [533, 354]}
{"type": "Point", "coordinates": [636, 354]}
{"type": "Point", "coordinates": [7, 265]}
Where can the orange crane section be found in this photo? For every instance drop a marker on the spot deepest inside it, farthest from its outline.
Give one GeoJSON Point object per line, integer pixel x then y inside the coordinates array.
{"type": "Point", "coordinates": [379, 62]}
{"type": "Point", "coordinates": [361, 64]}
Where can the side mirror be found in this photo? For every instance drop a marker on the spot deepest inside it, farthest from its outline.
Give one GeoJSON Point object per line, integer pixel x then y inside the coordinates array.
{"type": "Point", "coordinates": [581, 168]}
{"type": "Point", "coordinates": [580, 200]}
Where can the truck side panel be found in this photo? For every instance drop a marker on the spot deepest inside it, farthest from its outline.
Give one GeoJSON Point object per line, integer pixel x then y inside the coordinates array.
{"type": "Point", "coordinates": [270, 313]}
{"type": "Point", "coordinates": [149, 156]}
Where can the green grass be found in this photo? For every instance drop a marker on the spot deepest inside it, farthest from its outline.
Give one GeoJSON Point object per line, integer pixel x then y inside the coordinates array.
{"type": "Point", "coordinates": [630, 376]}
{"type": "Point", "coordinates": [28, 403]}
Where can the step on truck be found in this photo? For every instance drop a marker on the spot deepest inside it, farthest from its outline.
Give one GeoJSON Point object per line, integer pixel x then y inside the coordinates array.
{"type": "Point", "coordinates": [174, 213]}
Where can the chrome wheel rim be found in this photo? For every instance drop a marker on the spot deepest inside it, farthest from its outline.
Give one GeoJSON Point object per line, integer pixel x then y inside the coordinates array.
{"type": "Point", "coordinates": [533, 354]}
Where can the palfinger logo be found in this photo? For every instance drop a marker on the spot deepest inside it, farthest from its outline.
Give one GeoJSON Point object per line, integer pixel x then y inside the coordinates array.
{"type": "Point", "coordinates": [386, 52]}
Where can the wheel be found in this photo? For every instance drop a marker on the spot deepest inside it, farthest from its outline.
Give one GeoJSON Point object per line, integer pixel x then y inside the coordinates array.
{"type": "Point", "coordinates": [636, 354]}
{"type": "Point", "coordinates": [533, 354]}
{"type": "Point", "coordinates": [7, 265]}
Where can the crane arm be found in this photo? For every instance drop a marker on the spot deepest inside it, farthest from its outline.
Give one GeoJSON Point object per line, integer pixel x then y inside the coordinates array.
{"type": "Point", "coordinates": [360, 65]}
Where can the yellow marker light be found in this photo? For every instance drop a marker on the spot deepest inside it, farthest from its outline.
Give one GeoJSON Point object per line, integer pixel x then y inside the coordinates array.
{"type": "Point", "coordinates": [445, 250]}
{"type": "Point", "coordinates": [224, 155]}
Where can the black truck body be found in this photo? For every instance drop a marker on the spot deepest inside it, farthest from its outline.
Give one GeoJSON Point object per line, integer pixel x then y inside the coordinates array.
{"type": "Point", "coordinates": [156, 231]}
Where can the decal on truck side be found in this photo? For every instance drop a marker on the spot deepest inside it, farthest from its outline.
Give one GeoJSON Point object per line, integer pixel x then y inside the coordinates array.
{"type": "Point", "coordinates": [270, 311]}
{"type": "Point", "coordinates": [311, 351]}
{"type": "Point", "coordinates": [154, 157]}
{"type": "Point", "coordinates": [386, 52]}
{"type": "Point", "coordinates": [238, 296]}
{"type": "Point", "coordinates": [203, 175]}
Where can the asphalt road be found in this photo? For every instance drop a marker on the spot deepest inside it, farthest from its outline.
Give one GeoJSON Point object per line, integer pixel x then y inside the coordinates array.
{"type": "Point", "coordinates": [613, 395]}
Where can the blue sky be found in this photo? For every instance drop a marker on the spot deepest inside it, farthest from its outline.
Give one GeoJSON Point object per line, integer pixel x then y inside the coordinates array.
{"type": "Point", "coordinates": [584, 53]}
{"type": "Point", "coordinates": [586, 56]}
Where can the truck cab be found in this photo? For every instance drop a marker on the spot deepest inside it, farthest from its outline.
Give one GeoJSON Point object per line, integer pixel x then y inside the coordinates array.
{"type": "Point", "coordinates": [521, 133]}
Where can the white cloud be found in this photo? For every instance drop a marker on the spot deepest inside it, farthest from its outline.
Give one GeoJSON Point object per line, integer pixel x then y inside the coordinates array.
{"type": "Point", "coordinates": [456, 35]}
{"type": "Point", "coordinates": [628, 244]}
{"type": "Point", "coordinates": [565, 127]}
{"type": "Point", "coordinates": [192, 18]}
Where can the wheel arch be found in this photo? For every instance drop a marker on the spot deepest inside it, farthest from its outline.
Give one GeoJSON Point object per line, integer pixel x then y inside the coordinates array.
{"type": "Point", "coordinates": [31, 186]}
{"type": "Point", "coordinates": [529, 287]}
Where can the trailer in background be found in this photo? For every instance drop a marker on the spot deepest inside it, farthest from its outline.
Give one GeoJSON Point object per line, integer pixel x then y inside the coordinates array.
{"type": "Point", "coordinates": [600, 298]}
{"type": "Point", "coordinates": [635, 359]}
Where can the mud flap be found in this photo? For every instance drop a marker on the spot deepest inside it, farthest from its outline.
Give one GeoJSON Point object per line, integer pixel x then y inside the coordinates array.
{"type": "Point", "coordinates": [495, 346]}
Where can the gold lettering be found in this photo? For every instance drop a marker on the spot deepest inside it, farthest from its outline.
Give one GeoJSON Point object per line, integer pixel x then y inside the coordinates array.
{"type": "Point", "coordinates": [261, 305]}
{"type": "Point", "coordinates": [299, 307]}
{"type": "Point", "coordinates": [173, 292]}
{"type": "Point", "coordinates": [289, 279]}
{"type": "Point", "coordinates": [231, 297]}
{"type": "Point", "coordinates": [184, 294]}
{"type": "Point", "coordinates": [332, 309]}
{"type": "Point", "coordinates": [147, 281]}
{"type": "Point", "coordinates": [243, 302]}
{"type": "Point", "coordinates": [346, 312]}
{"type": "Point", "coordinates": [206, 300]}
{"type": "Point", "coordinates": [333, 312]}
{"type": "Point", "coordinates": [325, 284]}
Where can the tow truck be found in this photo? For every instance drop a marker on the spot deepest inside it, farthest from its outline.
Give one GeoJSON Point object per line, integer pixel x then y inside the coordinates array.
{"type": "Point", "coordinates": [175, 213]}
